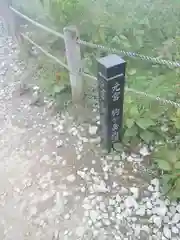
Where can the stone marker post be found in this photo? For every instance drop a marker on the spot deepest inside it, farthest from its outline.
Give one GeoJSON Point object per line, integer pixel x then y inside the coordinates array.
{"type": "Point", "coordinates": [111, 81]}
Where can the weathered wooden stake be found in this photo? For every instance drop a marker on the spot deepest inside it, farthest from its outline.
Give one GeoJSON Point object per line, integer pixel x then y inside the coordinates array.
{"type": "Point", "coordinates": [73, 55]}
{"type": "Point", "coordinates": [111, 81]}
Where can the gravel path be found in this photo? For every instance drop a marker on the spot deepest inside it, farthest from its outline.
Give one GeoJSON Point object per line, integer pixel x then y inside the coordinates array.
{"type": "Point", "coordinates": [56, 183]}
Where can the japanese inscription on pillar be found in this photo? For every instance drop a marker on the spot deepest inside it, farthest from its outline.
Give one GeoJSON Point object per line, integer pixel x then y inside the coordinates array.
{"type": "Point", "coordinates": [111, 80]}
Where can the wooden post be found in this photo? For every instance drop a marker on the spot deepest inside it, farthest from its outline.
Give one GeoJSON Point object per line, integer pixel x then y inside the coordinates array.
{"type": "Point", "coordinates": [73, 56]}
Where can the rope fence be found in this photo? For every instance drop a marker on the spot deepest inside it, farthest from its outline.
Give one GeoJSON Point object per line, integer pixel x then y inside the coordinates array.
{"type": "Point", "coordinates": [45, 52]}
{"type": "Point", "coordinates": [153, 60]}
{"type": "Point", "coordinates": [37, 24]}
{"type": "Point", "coordinates": [155, 98]}
{"type": "Point", "coordinates": [131, 54]}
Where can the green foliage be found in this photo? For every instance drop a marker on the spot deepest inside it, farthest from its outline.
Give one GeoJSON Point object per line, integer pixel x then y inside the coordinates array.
{"type": "Point", "coordinates": [54, 81]}
{"type": "Point", "coordinates": [168, 162]}
{"type": "Point", "coordinates": [176, 119]}
{"type": "Point", "coordinates": [140, 122]}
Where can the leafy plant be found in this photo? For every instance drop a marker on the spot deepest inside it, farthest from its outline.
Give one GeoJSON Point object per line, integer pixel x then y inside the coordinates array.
{"type": "Point", "coordinates": [140, 123]}
{"type": "Point", "coordinates": [176, 119]}
{"type": "Point", "coordinates": [168, 163]}
{"type": "Point", "coordinates": [53, 79]}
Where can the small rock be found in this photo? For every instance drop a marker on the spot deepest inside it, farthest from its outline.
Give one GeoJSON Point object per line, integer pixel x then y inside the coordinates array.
{"type": "Point", "coordinates": [96, 140]}
{"type": "Point", "coordinates": [155, 184]}
{"type": "Point", "coordinates": [58, 159]}
{"type": "Point", "coordinates": [160, 211]}
{"type": "Point", "coordinates": [64, 163]}
{"type": "Point", "coordinates": [172, 210]}
{"type": "Point", "coordinates": [37, 99]}
{"type": "Point", "coordinates": [167, 202]}
{"type": "Point", "coordinates": [53, 123]}
{"type": "Point", "coordinates": [105, 215]}
{"type": "Point", "coordinates": [118, 198]}
{"type": "Point", "coordinates": [23, 89]}
{"type": "Point", "coordinates": [167, 232]}
{"type": "Point", "coordinates": [100, 187]}
{"type": "Point", "coordinates": [80, 231]}
{"type": "Point", "coordinates": [56, 234]}
{"type": "Point", "coordinates": [93, 215]}
{"type": "Point", "coordinates": [66, 232]}
{"type": "Point", "coordinates": [143, 234]}
{"type": "Point", "coordinates": [59, 203]}
{"type": "Point", "coordinates": [123, 191]}
{"type": "Point", "coordinates": [33, 211]}
{"type": "Point", "coordinates": [93, 130]}
{"type": "Point", "coordinates": [87, 206]}
{"type": "Point", "coordinates": [98, 224]}
{"type": "Point", "coordinates": [79, 157]}
{"type": "Point", "coordinates": [175, 230]}
{"type": "Point", "coordinates": [102, 206]}
{"type": "Point", "coordinates": [71, 178]}
{"type": "Point", "coordinates": [135, 192]}
{"type": "Point", "coordinates": [178, 225]}
{"type": "Point", "coordinates": [59, 143]}
{"type": "Point", "coordinates": [147, 194]}
{"type": "Point", "coordinates": [149, 212]}
{"type": "Point", "coordinates": [157, 221]}
{"type": "Point", "coordinates": [137, 230]}
{"type": "Point", "coordinates": [81, 174]}
{"type": "Point", "coordinates": [141, 211]}
{"type": "Point", "coordinates": [178, 208]}
{"type": "Point", "coordinates": [83, 189]}
{"type": "Point", "coordinates": [166, 219]}
{"type": "Point", "coordinates": [119, 171]}
{"type": "Point", "coordinates": [67, 216]}
{"type": "Point", "coordinates": [149, 205]}
{"type": "Point", "coordinates": [130, 159]}
{"type": "Point", "coordinates": [45, 158]}
{"type": "Point", "coordinates": [162, 238]}
{"type": "Point", "coordinates": [85, 140]}
{"type": "Point", "coordinates": [151, 188]}
{"type": "Point", "coordinates": [106, 222]}
{"type": "Point", "coordinates": [130, 202]}
{"type": "Point", "coordinates": [117, 158]}
{"type": "Point", "coordinates": [93, 162]}
{"type": "Point", "coordinates": [123, 156]}
{"type": "Point", "coordinates": [112, 202]}
{"type": "Point", "coordinates": [176, 218]}
{"type": "Point", "coordinates": [145, 228]}
{"type": "Point", "coordinates": [144, 151]}
{"type": "Point", "coordinates": [156, 195]}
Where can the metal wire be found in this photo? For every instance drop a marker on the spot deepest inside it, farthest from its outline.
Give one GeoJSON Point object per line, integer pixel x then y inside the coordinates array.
{"type": "Point", "coordinates": [38, 24]}
{"type": "Point", "coordinates": [130, 54]}
{"type": "Point", "coordinates": [156, 98]}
